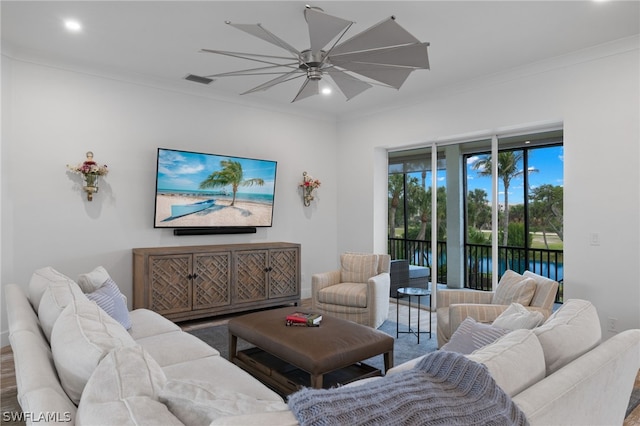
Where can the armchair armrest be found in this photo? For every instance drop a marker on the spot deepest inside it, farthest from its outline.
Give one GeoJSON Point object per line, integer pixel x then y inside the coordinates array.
{"type": "Point", "coordinates": [378, 298]}
{"type": "Point", "coordinates": [324, 279]}
{"type": "Point", "coordinates": [449, 297]}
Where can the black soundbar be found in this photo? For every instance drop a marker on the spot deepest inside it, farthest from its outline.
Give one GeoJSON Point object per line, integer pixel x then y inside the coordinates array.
{"type": "Point", "coordinates": [209, 231]}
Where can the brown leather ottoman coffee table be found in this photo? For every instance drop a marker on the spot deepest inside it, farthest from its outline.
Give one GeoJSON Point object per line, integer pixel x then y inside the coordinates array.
{"type": "Point", "coordinates": [287, 358]}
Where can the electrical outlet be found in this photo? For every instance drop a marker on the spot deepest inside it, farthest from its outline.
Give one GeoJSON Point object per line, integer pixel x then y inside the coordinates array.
{"type": "Point", "coordinates": [612, 324]}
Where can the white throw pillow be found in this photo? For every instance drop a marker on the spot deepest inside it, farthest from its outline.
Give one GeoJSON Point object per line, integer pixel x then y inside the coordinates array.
{"type": "Point", "coordinates": [471, 335]}
{"type": "Point", "coordinates": [200, 402]}
{"type": "Point", "coordinates": [515, 361]}
{"type": "Point", "coordinates": [91, 281]}
{"type": "Point", "coordinates": [100, 288]}
{"type": "Point", "coordinates": [568, 333]}
{"type": "Point", "coordinates": [358, 268]}
{"type": "Point", "coordinates": [39, 282]}
{"type": "Point", "coordinates": [123, 390]}
{"type": "Point", "coordinates": [517, 316]}
{"type": "Point", "coordinates": [514, 288]}
{"type": "Point", "coordinates": [81, 337]}
{"type": "Point", "coordinates": [55, 298]}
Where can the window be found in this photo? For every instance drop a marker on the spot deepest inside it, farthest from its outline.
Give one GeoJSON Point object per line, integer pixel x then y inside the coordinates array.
{"type": "Point", "coordinates": [529, 228]}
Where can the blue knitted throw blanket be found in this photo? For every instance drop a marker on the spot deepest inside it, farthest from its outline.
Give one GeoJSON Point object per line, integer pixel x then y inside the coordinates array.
{"type": "Point", "coordinates": [444, 388]}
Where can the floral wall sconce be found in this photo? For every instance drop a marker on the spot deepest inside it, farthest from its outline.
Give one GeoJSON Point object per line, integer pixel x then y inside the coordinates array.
{"type": "Point", "coordinates": [308, 185]}
{"type": "Point", "coordinates": [90, 171]}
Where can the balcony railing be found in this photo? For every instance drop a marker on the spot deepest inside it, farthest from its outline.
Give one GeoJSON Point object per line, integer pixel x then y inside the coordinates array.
{"type": "Point", "coordinates": [418, 252]}
{"type": "Point", "coordinates": [479, 264]}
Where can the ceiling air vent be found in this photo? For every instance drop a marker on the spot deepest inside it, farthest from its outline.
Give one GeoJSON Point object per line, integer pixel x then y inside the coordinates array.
{"type": "Point", "coordinates": [198, 79]}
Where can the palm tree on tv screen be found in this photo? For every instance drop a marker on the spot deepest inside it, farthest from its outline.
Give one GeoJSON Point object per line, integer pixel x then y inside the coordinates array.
{"type": "Point", "coordinates": [230, 174]}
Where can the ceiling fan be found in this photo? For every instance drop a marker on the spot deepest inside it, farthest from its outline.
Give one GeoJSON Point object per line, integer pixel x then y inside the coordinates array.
{"type": "Point", "coordinates": [385, 54]}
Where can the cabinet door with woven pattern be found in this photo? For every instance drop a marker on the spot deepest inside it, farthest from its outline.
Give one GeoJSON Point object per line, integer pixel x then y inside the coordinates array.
{"type": "Point", "coordinates": [251, 275]}
{"type": "Point", "coordinates": [211, 280]}
{"type": "Point", "coordinates": [170, 283]}
{"type": "Point", "coordinates": [283, 272]}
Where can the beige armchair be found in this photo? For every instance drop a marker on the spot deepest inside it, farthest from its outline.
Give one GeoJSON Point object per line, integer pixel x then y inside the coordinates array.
{"type": "Point", "coordinates": [535, 292]}
{"type": "Point", "coordinates": [358, 291]}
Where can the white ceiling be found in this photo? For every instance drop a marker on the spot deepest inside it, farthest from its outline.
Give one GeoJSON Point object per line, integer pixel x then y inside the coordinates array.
{"type": "Point", "coordinates": [159, 41]}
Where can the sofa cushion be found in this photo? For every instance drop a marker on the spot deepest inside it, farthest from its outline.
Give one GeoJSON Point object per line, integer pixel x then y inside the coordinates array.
{"type": "Point", "coordinates": [145, 323]}
{"type": "Point", "coordinates": [55, 298]}
{"type": "Point", "coordinates": [514, 288]}
{"type": "Point", "coordinates": [81, 337]}
{"type": "Point", "coordinates": [515, 361]}
{"type": "Point", "coordinates": [123, 390]}
{"type": "Point", "coordinates": [568, 333]}
{"type": "Point", "coordinates": [517, 316]}
{"type": "Point", "coordinates": [225, 374]}
{"type": "Point", "coordinates": [39, 282]}
{"type": "Point", "coordinates": [197, 402]}
{"type": "Point", "coordinates": [358, 268]}
{"type": "Point", "coordinates": [183, 347]}
{"type": "Point", "coordinates": [345, 294]}
{"type": "Point", "coordinates": [472, 335]}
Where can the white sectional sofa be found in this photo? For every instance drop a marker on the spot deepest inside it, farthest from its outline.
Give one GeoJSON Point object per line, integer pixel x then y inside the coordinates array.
{"type": "Point", "coordinates": [77, 364]}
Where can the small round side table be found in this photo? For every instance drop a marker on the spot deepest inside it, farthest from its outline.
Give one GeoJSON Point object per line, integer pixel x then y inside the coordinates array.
{"type": "Point", "coordinates": [412, 292]}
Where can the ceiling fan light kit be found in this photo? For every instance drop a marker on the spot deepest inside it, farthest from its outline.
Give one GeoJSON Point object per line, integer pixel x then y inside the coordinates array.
{"type": "Point", "coordinates": [384, 54]}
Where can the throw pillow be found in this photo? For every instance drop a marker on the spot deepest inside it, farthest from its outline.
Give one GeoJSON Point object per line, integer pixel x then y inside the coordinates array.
{"type": "Point", "coordinates": [568, 333]}
{"type": "Point", "coordinates": [358, 268]}
{"type": "Point", "coordinates": [200, 402]}
{"type": "Point", "coordinates": [53, 301]}
{"type": "Point", "coordinates": [81, 337]}
{"type": "Point", "coordinates": [514, 288]}
{"type": "Point", "coordinates": [100, 288]}
{"type": "Point", "coordinates": [124, 390]}
{"type": "Point", "coordinates": [91, 281]}
{"type": "Point", "coordinates": [517, 316]}
{"type": "Point", "coordinates": [472, 335]}
{"type": "Point", "coordinates": [109, 298]}
{"type": "Point", "coordinates": [515, 361]}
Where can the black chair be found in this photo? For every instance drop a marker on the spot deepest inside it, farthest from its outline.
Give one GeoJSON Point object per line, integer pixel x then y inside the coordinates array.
{"type": "Point", "coordinates": [399, 274]}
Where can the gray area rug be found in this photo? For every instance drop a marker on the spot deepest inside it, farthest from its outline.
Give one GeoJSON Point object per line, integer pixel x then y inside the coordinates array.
{"type": "Point", "coordinates": [406, 346]}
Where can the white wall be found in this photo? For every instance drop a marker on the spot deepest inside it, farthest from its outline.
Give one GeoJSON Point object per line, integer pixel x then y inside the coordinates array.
{"type": "Point", "coordinates": [58, 115]}
{"type": "Point", "coordinates": [596, 95]}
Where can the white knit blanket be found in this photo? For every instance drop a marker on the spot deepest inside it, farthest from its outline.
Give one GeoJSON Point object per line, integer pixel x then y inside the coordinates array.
{"type": "Point", "coordinates": [445, 388]}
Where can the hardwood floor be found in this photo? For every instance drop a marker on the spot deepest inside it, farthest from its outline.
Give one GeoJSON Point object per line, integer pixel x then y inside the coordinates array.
{"type": "Point", "coordinates": [8, 388]}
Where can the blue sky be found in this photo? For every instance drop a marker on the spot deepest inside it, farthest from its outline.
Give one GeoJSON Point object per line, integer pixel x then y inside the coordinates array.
{"type": "Point", "coordinates": [547, 165]}
{"type": "Point", "coordinates": [547, 162]}
{"type": "Point", "coordinates": [181, 170]}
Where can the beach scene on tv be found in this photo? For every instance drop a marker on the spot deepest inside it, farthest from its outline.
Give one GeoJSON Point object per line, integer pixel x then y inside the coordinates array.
{"type": "Point", "coordinates": [206, 190]}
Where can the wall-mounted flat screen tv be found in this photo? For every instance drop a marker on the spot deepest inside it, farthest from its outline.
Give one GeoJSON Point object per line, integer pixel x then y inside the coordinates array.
{"type": "Point", "coordinates": [199, 190]}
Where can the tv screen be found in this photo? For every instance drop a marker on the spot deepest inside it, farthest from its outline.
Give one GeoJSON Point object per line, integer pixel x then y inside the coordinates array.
{"type": "Point", "coordinates": [198, 190]}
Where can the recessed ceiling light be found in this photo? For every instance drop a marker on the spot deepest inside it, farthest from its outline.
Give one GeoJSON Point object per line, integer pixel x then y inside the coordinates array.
{"type": "Point", "coordinates": [72, 25]}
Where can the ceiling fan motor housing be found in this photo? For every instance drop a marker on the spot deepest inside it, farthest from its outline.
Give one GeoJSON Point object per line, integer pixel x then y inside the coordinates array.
{"type": "Point", "coordinates": [312, 62]}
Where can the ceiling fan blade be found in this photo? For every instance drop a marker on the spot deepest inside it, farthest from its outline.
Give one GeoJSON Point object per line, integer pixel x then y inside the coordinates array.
{"type": "Point", "coordinates": [254, 71]}
{"type": "Point", "coordinates": [309, 88]}
{"type": "Point", "coordinates": [387, 74]}
{"type": "Point", "coordinates": [323, 27]}
{"type": "Point", "coordinates": [348, 85]}
{"type": "Point", "coordinates": [257, 30]}
{"type": "Point", "coordinates": [247, 56]}
{"type": "Point", "coordinates": [269, 84]}
{"type": "Point", "coordinates": [384, 34]}
{"type": "Point", "coordinates": [411, 55]}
